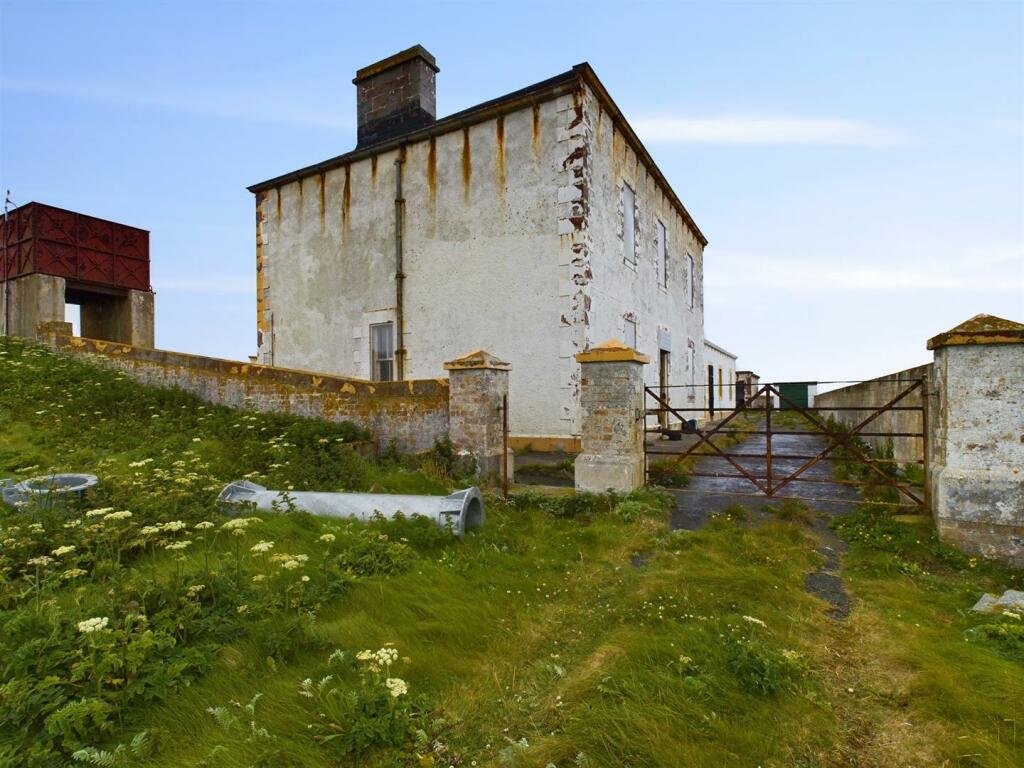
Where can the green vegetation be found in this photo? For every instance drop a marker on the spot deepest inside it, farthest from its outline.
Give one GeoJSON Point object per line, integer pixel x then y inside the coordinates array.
{"type": "Point", "coordinates": [573, 630]}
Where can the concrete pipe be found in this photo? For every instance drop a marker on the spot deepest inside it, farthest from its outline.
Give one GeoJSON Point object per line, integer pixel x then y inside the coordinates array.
{"type": "Point", "coordinates": [462, 510]}
{"type": "Point", "coordinates": [48, 489]}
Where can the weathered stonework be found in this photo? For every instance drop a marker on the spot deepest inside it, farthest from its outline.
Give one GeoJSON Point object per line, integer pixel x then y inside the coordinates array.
{"type": "Point", "coordinates": [977, 472]}
{"type": "Point", "coordinates": [478, 386]}
{"type": "Point", "coordinates": [34, 299]}
{"type": "Point", "coordinates": [413, 414]}
{"type": "Point", "coordinates": [612, 423]}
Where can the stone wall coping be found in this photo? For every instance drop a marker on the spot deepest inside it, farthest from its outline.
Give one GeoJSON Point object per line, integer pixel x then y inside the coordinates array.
{"type": "Point", "coordinates": [612, 351]}
{"type": "Point", "coordinates": [980, 329]}
{"type": "Point", "coordinates": [476, 360]}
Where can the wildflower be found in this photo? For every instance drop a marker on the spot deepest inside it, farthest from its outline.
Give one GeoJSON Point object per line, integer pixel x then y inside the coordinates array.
{"type": "Point", "coordinates": [327, 538]}
{"type": "Point", "coordinates": [262, 547]}
{"type": "Point", "coordinates": [258, 578]}
{"type": "Point", "coordinates": [203, 525]}
{"type": "Point", "coordinates": [72, 573]}
{"type": "Point", "coordinates": [122, 515]}
{"type": "Point", "coordinates": [197, 439]}
{"type": "Point", "coordinates": [195, 589]}
{"type": "Point", "coordinates": [150, 530]}
{"type": "Point", "coordinates": [178, 545]}
{"type": "Point", "coordinates": [396, 687]}
{"type": "Point", "coordinates": [790, 655]}
{"type": "Point", "coordinates": [242, 609]}
{"type": "Point", "coordinates": [36, 528]}
{"type": "Point", "coordinates": [42, 561]}
{"type": "Point", "coordinates": [752, 620]}
{"type": "Point", "coordinates": [172, 526]}
{"type": "Point", "coordinates": [291, 565]}
{"type": "Point", "coordinates": [140, 463]}
{"type": "Point", "coordinates": [99, 512]}
{"type": "Point", "coordinates": [61, 551]}
{"type": "Point", "coordinates": [364, 655]}
{"type": "Point", "coordinates": [89, 626]}
{"type": "Point", "coordinates": [304, 579]}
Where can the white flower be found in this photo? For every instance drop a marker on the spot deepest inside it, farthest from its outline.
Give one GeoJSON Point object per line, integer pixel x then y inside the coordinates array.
{"type": "Point", "coordinates": [98, 512]}
{"type": "Point", "coordinates": [752, 620]}
{"type": "Point", "coordinates": [291, 565]}
{"type": "Point", "coordinates": [396, 687]}
{"type": "Point", "coordinates": [195, 589]}
{"type": "Point", "coordinates": [65, 550]}
{"type": "Point", "coordinates": [150, 530]}
{"type": "Point", "coordinates": [173, 525]}
{"type": "Point", "coordinates": [261, 547]}
{"type": "Point", "coordinates": [72, 573]}
{"type": "Point", "coordinates": [124, 514]}
{"type": "Point", "coordinates": [178, 545]}
{"type": "Point", "coordinates": [42, 560]}
{"type": "Point", "coordinates": [364, 655]}
{"type": "Point", "coordinates": [304, 579]}
{"type": "Point", "coordinates": [89, 626]}
{"type": "Point", "coordinates": [203, 525]}
{"type": "Point", "coordinates": [327, 538]}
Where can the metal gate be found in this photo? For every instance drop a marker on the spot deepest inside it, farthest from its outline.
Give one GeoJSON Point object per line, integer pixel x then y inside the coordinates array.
{"type": "Point", "coordinates": [758, 414]}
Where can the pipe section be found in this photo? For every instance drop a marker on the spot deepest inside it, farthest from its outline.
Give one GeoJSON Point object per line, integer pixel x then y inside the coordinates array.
{"type": "Point", "coordinates": [462, 510]}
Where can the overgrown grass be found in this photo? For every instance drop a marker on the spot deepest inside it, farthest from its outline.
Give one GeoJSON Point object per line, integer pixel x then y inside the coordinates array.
{"type": "Point", "coordinates": [573, 630]}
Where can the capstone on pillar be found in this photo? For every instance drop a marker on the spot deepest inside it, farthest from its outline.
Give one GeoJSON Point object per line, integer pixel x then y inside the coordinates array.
{"type": "Point", "coordinates": [478, 385]}
{"type": "Point", "coordinates": [977, 452]}
{"type": "Point", "coordinates": [611, 418]}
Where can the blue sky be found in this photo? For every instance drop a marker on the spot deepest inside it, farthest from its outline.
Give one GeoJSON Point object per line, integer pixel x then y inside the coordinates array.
{"type": "Point", "coordinates": [858, 168]}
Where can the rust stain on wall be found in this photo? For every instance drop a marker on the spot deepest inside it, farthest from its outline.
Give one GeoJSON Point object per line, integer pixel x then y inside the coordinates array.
{"type": "Point", "coordinates": [346, 195]}
{"type": "Point", "coordinates": [373, 170]}
{"type": "Point", "coordinates": [499, 149]}
{"type": "Point", "coordinates": [323, 203]}
{"type": "Point", "coordinates": [277, 191]}
{"type": "Point", "coordinates": [261, 198]}
{"type": "Point", "coordinates": [432, 170]}
{"type": "Point", "coordinates": [467, 164]}
{"type": "Point", "coordinates": [536, 129]}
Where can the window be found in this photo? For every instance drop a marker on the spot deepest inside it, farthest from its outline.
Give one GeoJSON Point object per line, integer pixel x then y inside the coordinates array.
{"type": "Point", "coordinates": [630, 333]}
{"type": "Point", "coordinates": [693, 365]}
{"type": "Point", "coordinates": [720, 382]}
{"type": "Point", "coordinates": [662, 255]}
{"type": "Point", "coordinates": [382, 352]}
{"type": "Point", "coordinates": [628, 224]}
{"type": "Point", "coordinates": [690, 277]}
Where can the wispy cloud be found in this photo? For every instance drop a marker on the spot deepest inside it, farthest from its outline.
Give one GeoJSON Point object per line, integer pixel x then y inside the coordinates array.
{"type": "Point", "coordinates": [237, 105]}
{"type": "Point", "coordinates": [761, 130]}
{"type": "Point", "coordinates": [995, 270]}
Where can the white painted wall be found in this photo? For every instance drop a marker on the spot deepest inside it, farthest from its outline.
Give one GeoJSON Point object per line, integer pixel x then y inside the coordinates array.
{"type": "Point", "coordinates": [493, 258]}
{"type": "Point", "coordinates": [725, 376]}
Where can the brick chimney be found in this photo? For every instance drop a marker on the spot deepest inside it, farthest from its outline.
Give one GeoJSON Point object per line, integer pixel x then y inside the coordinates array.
{"type": "Point", "coordinates": [396, 95]}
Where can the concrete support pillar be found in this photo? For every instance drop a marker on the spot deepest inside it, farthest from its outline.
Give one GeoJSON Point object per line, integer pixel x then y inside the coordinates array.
{"type": "Point", "coordinates": [125, 319]}
{"type": "Point", "coordinates": [977, 451]}
{"type": "Point", "coordinates": [478, 383]}
{"type": "Point", "coordinates": [34, 299]}
{"type": "Point", "coordinates": [612, 419]}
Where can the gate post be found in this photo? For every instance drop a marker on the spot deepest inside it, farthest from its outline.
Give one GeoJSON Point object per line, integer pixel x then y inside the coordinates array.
{"type": "Point", "coordinates": [977, 445]}
{"type": "Point", "coordinates": [478, 386]}
{"type": "Point", "coordinates": [612, 418]}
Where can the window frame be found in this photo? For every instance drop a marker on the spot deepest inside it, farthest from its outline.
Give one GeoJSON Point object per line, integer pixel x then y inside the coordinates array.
{"type": "Point", "coordinates": [375, 359]}
{"type": "Point", "coordinates": [691, 278]}
{"type": "Point", "coordinates": [626, 325]}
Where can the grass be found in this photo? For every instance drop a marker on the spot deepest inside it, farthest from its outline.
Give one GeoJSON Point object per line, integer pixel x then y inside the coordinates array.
{"type": "Point", "coordinates": [573, 630]}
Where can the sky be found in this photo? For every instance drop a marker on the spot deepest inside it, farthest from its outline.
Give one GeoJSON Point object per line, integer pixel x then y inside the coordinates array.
{"type": "Point", "coordinates": [858, 168]}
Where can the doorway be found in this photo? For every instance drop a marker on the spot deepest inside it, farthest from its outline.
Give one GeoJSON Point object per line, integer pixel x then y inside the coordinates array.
{"type": "Point", "coordinates": [663, 379]}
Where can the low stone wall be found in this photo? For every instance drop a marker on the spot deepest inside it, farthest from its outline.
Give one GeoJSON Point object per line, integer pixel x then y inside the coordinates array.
{"type": "Point", "coordinates": [411, 413]}
{"type": "Point", "coordinates": [878, 392]}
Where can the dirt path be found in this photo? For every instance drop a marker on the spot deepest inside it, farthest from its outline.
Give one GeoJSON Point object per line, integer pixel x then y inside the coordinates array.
{"type": "Point", "coordinates": [707, 495]}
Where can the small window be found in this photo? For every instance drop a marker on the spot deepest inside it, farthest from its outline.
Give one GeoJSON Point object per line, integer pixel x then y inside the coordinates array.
{"type": "Point", "coordinates": [630, 333]}
{"type": "Point", "coordinates": [691, 278]}
{"type": "Point", "coordinates": [382, 352]}
{"type": "Point", "coordinates": [662, 255]}
{"type": "Point", "coordinates": [720, 381]}
{"type": "Point", "coordinates": [628, 224]}
{"type": "Point", "coordinates": [693, 366]}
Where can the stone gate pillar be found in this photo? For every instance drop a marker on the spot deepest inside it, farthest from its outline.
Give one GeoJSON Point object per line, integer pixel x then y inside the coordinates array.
{"type": "Point", "coordinates": [478, 382]}
{"type": "Point", "coordinates": [611, 418]}
{"type": "Point", "coordinates": [977, 451]}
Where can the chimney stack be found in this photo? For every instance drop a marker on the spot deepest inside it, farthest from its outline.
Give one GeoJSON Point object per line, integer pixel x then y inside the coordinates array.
{"type": "Point", "coordinates": [396, 95]}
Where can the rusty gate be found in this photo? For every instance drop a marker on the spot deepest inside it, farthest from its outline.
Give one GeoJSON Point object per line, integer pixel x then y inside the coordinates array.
{"type": "Point", "coordinates": [768, 413]}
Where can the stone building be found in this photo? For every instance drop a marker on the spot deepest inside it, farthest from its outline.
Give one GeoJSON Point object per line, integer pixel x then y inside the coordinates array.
{"type": "Point", "coordinates": [533, 225]}
{"type": "Point", "coordinates": [720, 379]}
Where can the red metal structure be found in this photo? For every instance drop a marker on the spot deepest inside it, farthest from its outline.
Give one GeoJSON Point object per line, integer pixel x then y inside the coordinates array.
{"type": "Point", "coordinates": [93, 255]}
